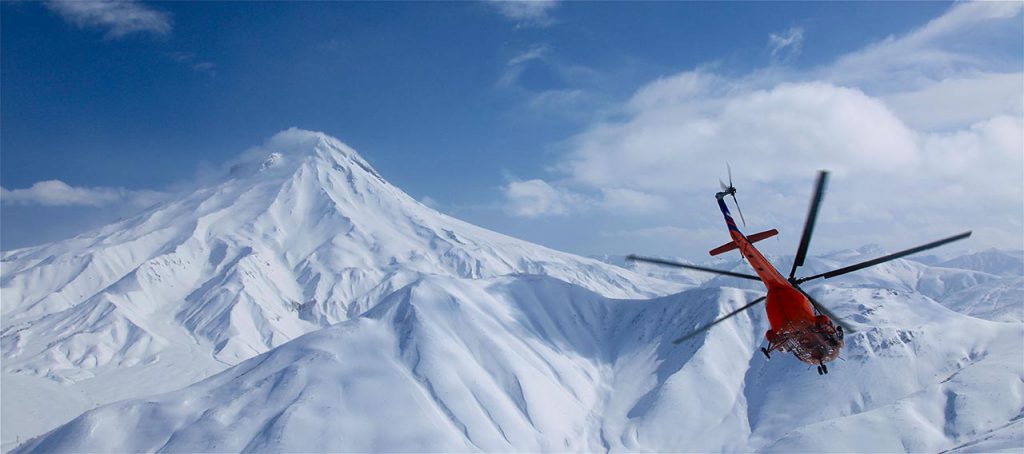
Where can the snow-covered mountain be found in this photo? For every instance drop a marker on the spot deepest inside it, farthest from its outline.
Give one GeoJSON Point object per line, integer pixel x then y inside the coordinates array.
{"type": "Point", "coordinates": [992, 261]}
{"type": "Point", "coordinates": [302, 233]}
{"type": "Point", "coordinates": [309, 237]}
{"type": "Point", "coordinates": [990, 284]}
{"type": "Point", "coordinates": [305, 304]}
{"type": "Point", "coordinates": [531, 363]}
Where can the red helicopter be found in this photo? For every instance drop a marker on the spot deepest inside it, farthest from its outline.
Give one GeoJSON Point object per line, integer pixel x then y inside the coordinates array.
{"type": "Point", "coordinates": [799, 324]}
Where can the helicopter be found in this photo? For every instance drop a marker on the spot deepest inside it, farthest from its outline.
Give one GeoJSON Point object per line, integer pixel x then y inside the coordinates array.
{"type": "Point", "coordinates": [799, 323]}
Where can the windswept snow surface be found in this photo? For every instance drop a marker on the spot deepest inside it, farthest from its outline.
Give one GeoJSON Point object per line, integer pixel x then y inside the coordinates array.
{"type": "Point", "coordinates": [301, 234]}
{"type": "Point", "coordinates": [531, 363]}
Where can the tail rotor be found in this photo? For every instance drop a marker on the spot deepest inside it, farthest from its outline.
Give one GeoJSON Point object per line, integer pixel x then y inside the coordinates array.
{"type": "Point", "coordinates": [731, 190]}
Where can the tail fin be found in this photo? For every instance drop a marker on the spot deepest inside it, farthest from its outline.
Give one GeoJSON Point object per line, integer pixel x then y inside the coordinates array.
{"type": "Point", "coordinates": [752, 238]}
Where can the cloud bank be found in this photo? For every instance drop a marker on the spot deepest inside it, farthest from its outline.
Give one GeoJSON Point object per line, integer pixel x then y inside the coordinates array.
{"type": "Point", "coordinates": [923, 132]}
{"type": "Point", "coordinates": [59, 193]}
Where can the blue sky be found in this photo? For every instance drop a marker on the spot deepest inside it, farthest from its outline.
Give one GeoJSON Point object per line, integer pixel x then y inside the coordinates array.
{"type": "Point", "coordinates": [588, 127]}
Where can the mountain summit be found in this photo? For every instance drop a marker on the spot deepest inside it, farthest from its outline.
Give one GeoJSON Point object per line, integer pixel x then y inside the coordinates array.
{"type": "Point", "coordinates": [300, 234]}
{"type": "Point", "coordinates": [303, 234]}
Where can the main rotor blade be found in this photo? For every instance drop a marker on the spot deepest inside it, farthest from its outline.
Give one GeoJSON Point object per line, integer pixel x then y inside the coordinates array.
{"type": "Point", "coordinates": [720, 320]}
{"type": "Point", "coordinates": [691, 267]}
{"type": "Point", "coordinates": [738, 210]}
{"type": "Point", "coordinates": [828, 313]}
{"type": "Point", "coordinates": [883, 259]}
{"type": "Point", "coordinates": [812, 215]}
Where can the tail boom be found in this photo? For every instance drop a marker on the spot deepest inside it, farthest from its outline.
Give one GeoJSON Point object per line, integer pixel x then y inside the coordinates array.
{"type": "Point", "coordinates": [768, 274]}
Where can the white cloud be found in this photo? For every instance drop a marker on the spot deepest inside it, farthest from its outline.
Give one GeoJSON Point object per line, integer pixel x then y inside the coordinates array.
{"type": "Point", "coordinates": [924, 135]}
{"type": "Point", "coordinates": [629, 201]}
{"type": "Point", "coordinates": [58, 193]}
{"type": "Point", "coordinates": [951, 103]}
{"type": "Point", "coordinates": [950, 46]}
{"type": "Point", "coordinates": [118, 18]}
{"type": "Point", "coordinates": [526, 12]}
{"type": "Point", "coordinates": [786, 131]}
{"type": "Point", "coordinates": [675, 90]}
{"type": "Point", "coordinates": [786, 44]}
{"type": "Point", "coordinates": [534, 198]}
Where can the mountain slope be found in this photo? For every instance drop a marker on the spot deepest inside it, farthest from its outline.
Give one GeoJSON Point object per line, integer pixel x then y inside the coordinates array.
{"type": "Point", "coordinates": [530, 363]}
{"type": "Point", "coordinates": [301, 234]}
{"type": "Point", "coordinates": [993, 261]}
{"type": "Point", "coordinates": [312, 237]}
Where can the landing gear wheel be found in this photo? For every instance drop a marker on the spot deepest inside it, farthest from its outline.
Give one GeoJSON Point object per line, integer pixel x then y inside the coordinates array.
{"type": "Point", "coordinates": [819, 371]}
{"type": "Point", "coordinates": [824, 368]}
{"type": "Point", "coordinates": [765, 352]}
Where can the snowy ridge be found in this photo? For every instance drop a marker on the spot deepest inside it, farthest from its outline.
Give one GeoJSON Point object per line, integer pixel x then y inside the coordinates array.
{"type": "Point", "coordinates": [302, 233]}
{"type": "Point", "coordinates": [992, 295]}
{"type": "Point", "coordinates": [992, 261]}
{"type": "Point", "coordinates": [531, 363]}
{"type": "Point", "coordinates": [298, 242]}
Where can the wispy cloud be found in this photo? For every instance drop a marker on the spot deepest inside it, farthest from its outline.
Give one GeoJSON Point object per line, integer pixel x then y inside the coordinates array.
{"type": "Point", "coordinates": [117, 18]}
{"type": "Point", "coordinates": [548, 84]}
{"type": "Point", "coordinates": [518, 63]}
{"type": "Point", "coordinates": [430, 202]}
{"type": "Point", "coordinates": [526, 12]}
{"type": "Point", "coordinates": [205, 67]}
{"type": "Point", "coordinates": [59, 193]}
{"type": "Point", "coordinates": [786, 45]}
{"type": "Point", "coordinates": [189, 59]}
{"type": "Point", "coordinates": [535, 52]}
{"type": "Point", "coordinates": [957, 43]}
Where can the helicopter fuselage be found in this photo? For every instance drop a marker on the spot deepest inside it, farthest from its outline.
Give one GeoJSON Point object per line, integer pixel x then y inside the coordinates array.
{"type": "Point", "coordinates": [800, 324]}
{"type": "Point", "coordinates": [795, 327]}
